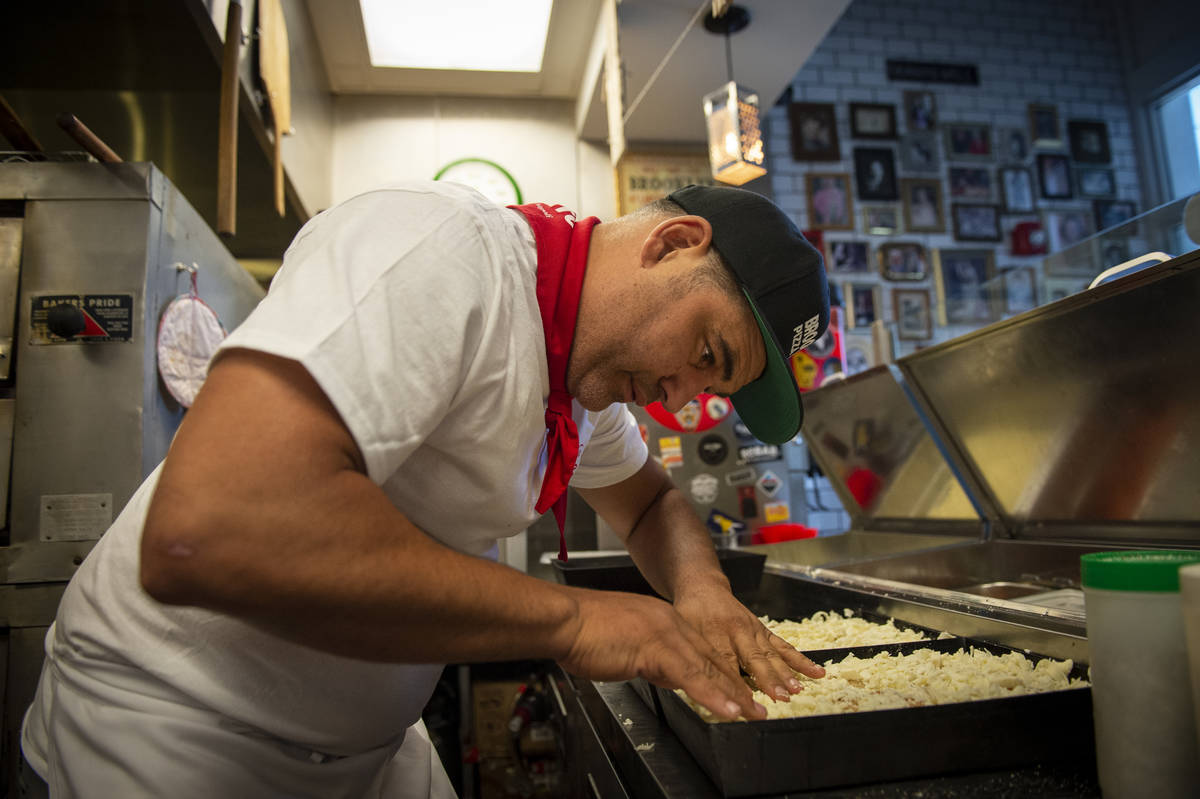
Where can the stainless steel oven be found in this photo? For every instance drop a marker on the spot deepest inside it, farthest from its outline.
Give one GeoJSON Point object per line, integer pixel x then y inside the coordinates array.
{"type": "Point", "coordinates": [84, 416]}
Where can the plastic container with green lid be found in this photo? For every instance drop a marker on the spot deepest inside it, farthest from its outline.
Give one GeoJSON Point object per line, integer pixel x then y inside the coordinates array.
{"type": "Point", "coordinates": [1146, 741]}
{"type": "Point", "coordinates": [1136, 569]}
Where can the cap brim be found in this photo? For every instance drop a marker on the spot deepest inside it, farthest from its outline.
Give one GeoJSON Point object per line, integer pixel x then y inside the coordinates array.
{"type": "Point", "coordinates": [770, 406]}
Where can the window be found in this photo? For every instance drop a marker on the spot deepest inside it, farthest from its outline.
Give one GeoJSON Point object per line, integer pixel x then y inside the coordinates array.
{"type": "Point", "coordinates": [1178, 116]}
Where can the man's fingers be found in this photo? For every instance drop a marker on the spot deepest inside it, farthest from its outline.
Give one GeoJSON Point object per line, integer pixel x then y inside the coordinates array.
{"type": "Point", "coordinates": [795, 659]}
{"type": "Point", "coordinates": [724, 652]}
{"type": "Point", "coordinates": [771, 674]}
{"type": "Point", "coordinates": [716, 670]}
{"type": "Point", "coordinates": [772, 662]}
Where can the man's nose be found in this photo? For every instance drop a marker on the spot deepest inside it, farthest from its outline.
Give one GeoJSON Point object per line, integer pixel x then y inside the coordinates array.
{"type": "Point", "coordinates": [683, 387]}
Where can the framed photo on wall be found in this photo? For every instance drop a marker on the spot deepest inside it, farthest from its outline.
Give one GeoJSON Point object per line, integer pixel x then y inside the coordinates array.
{"type": "Point", "coordinates": [646, 176]}
{"type": "Point", "coordinates": [1043, 126]}
{"type": "Point", "coordinates": [875, 173]}
{"type": "Point", "coordinates": [815, 237]}
{"type": "Point", "coordinates": [968, 142]}
{"type": "Point", "coordinates": [1016, 187]}
{"type": "Point", "coordinates": [881, 220]}
{"type": "Point", "coordinates": [1110, 213]}
{"type": "Point", "coordinates": [920, 110]}
{"type": "Point", "coordinates": [976, 221]}
{"type": "Point", "coordinates": [1068, 228]}
{"type": "Point", "coordinates": [922, 205]}
{"type": "Point", "coordinates": [846, 256]}
{"type": "Point", "coordinates": [1061, 288]}
{"type": "Point", "coordinates": [872, 121]}
{"type": "Point", "coordinates": [919, 152]}
{"type": "Point", "coordinates": [914, 316]}
{"type": "Point", "coordinates": [1012, 144]}
{"type": "Point", "coordinates": [1020, 290]}
{"type": "Point", "coordinates": [829, 200]}
{"type": "Point", "coordinates": [903, 260]}
{"type": "Point", "coordinates": [1113, 250]}
{"type": "Point", "coordinates": [1096, 183]}
{"type": "Point", "coordinates": [858, 351]}
{"type": "Point", "coordinates": [963, 278]}
{"type": "Point", "coordinates": [970, 183]}
{"type": "Point", "coordinates": [1089, 141]}
{"type": "Point", "coordinates": [814, 132]}
{"type": "Point", "coordinates": [864, 302]}
{"type": "Point", "coordinates": [1029, 237]}
{"type": "Point", "coordinates": [1054, 174]}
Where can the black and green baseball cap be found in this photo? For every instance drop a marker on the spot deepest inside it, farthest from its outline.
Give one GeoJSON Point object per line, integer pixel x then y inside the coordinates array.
{"type": "Point", "coordinates": [783, 276]}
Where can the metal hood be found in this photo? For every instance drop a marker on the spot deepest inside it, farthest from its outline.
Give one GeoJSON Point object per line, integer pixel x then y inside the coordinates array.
{"type": "Point", "coordinates": [144, 75]}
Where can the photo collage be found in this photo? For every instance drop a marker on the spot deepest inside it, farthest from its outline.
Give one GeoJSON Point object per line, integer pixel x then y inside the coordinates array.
{"type": "Point", "coordinates": [930, 222]}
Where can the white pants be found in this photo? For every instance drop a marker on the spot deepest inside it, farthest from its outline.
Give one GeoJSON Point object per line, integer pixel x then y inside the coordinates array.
{"type": "Point", "coordinates": [88, 740]}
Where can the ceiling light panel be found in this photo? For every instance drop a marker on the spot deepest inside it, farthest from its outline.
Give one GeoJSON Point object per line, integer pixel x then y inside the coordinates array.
{"type": "Point", "coordinates": [492, 35]}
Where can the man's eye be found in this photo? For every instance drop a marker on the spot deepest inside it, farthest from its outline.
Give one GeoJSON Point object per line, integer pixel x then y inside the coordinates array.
{"type": "Point", "coordinates": [706, 357]}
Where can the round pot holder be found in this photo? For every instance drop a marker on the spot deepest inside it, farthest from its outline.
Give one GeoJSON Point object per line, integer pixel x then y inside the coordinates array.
{"type": "Point", "coordinates": [189, 333]}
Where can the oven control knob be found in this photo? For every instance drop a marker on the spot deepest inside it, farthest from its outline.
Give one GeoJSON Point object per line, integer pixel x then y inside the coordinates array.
{"type": "Point", "coordinates": [65, 321]}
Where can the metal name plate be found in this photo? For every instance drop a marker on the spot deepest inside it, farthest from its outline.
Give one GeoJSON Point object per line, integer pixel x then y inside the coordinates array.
{"type": "Point", "coordinates": [106, 318]}
{"type": "Point", "coordinates": [74, 517]}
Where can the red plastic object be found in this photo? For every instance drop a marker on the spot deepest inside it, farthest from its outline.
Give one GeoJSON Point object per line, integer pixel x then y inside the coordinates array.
{"type": "Point", "coordinates": [774, 533]}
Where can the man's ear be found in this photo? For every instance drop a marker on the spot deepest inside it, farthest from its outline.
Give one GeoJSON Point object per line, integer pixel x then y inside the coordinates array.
{"type": "Point", "coordinates": [674, 235]}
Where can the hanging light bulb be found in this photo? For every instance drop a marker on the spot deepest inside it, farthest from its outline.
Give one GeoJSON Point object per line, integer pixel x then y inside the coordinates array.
{"type": "Point", "coordinates": [735, 145]}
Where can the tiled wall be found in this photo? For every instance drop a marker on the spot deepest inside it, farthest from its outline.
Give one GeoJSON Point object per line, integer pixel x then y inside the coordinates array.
{"type": "Point", "coordinates": [1063, 53]}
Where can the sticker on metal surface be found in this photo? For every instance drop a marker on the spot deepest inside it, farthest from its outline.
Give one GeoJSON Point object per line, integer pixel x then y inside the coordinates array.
{"type": "Point", "coordinates": [747, 502]}
{"type": "Point", "coordinates": [823, 347]}
{"type": "Point", "coordinates": [80, 318]}
{"type": "Point", "coordinates": [758, 453]}
{"type": "Point", "coordinates": [769, 483]}
{"type": "Point", "coordinates": [741, 431]}
{"type": "Point", "coordinates": [704, 488]}
{"type": "Point", "coordinates": [805, 370]}
{"type": "Point", "coordinates": [776, 512]}
{"type": "Point", "coordinates": [723, 524]}
{"type": "Point", "coordinates": [713, 449]}
{"type": "Point", "coordinates": [689, 416]}
{"type": "Point", "coordinates": [671, 449]}
{"type": "Point", "coordinates": [740, 476]}
{"type": "Point", "coordinates": [74, 517]}
{"type": "Point", "coordinates": [717, 408]}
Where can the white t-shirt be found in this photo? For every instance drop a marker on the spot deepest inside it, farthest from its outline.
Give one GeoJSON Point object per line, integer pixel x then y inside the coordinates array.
{"type": "Point", "coordinates": [415, 310]}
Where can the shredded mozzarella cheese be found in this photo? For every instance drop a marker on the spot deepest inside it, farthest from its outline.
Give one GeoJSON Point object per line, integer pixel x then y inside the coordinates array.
{"type": "Point", "coordinates": [829, 630]}
{"type": "Point", "coordinates": [923, 677]}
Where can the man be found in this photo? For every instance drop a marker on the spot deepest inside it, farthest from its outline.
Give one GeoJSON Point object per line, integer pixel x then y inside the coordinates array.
{"type": "Point", "coordinates": [268, 615]}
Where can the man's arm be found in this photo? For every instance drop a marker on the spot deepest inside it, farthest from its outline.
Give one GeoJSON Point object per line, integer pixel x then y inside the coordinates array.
{"type": "Point", "coordinates": [263, 511]}
{"type": "Point", "coordinates": [672, 549]}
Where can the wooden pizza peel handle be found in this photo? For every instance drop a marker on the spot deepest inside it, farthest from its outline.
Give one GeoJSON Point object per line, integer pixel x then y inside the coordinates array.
{"type": "Point", "coordinates": [228, 122]}
{"type": "Point", "coordinates": [274, 66]}
{"type": "Point", "coordinates": [15, 131]}
{"type": "Point", "coordinates": [86, 139]}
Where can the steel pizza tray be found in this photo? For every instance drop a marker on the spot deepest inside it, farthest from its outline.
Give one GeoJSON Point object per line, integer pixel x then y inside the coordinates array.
{"type": "Point", "coordinates": [748, 758]}
{"type": "Point", "coordinates": [618, 572]}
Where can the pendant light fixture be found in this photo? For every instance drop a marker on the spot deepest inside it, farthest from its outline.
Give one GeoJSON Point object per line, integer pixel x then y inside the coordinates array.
{"type": "Point", "coordinates": [735, 145]}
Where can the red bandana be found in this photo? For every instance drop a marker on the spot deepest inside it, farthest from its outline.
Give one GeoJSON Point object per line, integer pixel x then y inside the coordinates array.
{"type": "Point", "coordinates": [562, 250]}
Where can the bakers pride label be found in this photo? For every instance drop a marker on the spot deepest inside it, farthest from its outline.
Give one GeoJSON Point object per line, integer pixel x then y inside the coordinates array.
{"type": "Point", "coordinates": [80, 318]}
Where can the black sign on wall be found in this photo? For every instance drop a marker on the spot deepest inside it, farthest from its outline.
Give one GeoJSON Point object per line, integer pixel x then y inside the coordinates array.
{"type": "Point", "coordinates": [930, 72]}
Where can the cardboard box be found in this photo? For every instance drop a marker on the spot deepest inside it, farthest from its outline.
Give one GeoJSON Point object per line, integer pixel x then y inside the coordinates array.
{"type": "Point", "coordinates": [492, 704]}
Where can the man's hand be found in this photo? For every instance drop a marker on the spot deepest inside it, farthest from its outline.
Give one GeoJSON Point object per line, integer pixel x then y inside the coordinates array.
{"type": "Point", "coordinates": [620, 636]}
{"type": "Point", "coordinates": [743, 642]}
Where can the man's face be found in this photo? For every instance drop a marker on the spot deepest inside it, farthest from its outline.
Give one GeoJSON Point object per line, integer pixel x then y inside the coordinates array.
{"type": "Point", "coordinates": [656, 341]}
